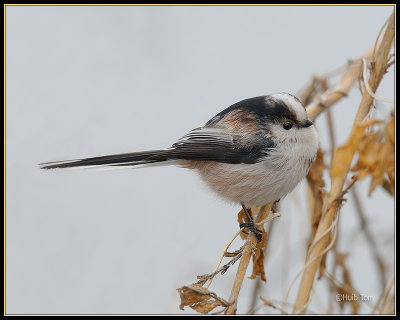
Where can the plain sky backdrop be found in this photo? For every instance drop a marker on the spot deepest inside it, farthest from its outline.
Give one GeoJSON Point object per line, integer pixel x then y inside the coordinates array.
{"type": "Point", "coordinates": [92, 80]}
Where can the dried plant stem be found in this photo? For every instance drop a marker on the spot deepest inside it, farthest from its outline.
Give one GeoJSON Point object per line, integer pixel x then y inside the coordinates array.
{"type": "Point", "coordinates": [333, 228]}
{"type": "Point", "coordinates": [331, 205]}
{"type": "Point", "coordinates": [332, 139]}
{"type": "Point", "coordinates": [250, 243]}
{"type": "Point", "coordinates": [388, 305]}
{"type": "Point", "coordinates": [349, 78]}
{"type": "Point", "coordinates": [255, 295]}
{"type": "Point", "coordinates": [222, 256]}
{"type": "Point", "coordinates": [331, 132]}
{"type": "Point", "coordinates": [257, 286]}
{"type": "Point", "coordinates": [384, 296]}
{"type": "Point", "coordinates": [376, 97]}
{"type": "Point", "coordinates": [332, 96]}
{"type": "Point", "coordinates": [370, 238]}
{"type": "Point", "coordinates": [272, 305]}
{"type": "Point", "coordinates": [244, 262]}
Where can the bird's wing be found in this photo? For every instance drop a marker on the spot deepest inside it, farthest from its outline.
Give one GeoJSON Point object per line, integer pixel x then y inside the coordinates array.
{"type": "Point", "coordinates": [217, 144]}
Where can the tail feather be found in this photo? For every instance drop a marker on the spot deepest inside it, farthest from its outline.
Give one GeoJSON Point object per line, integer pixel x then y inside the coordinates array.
{"type": "Point", "coordinates": [123, 159]}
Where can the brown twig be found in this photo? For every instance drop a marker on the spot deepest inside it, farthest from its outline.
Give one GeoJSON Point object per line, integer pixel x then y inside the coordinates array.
{"type": "Point", "coordinates": [208, 277]}
{"type": "Point", "coordinates": [257, 285]}
{"type": "Point", "coordinates": [223, 254]}
{"type": "Point", "coordinates": [272, 305]}
{"type": "Point", "coordinates": [331, 132]}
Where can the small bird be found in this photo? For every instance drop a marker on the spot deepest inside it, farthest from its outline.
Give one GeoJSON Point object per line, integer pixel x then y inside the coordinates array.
{"type": "Point", "coordinates": [254, 152]}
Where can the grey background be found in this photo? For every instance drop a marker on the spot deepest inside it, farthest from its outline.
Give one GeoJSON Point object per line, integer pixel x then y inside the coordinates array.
{"type": "Point", "coordinates": [93, 80]}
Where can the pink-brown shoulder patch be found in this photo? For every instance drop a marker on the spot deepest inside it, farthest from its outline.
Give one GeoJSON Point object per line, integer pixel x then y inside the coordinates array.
{"type": "Point", "coordinates": [237, 120]}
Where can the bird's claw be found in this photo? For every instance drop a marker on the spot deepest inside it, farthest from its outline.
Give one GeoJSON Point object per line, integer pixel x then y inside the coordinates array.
{"type": "Point", "coordinates": [252, 227]}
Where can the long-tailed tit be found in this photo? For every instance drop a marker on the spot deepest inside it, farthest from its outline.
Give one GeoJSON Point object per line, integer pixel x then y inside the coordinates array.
{"type": "Point", "coordinates": [254, 152]}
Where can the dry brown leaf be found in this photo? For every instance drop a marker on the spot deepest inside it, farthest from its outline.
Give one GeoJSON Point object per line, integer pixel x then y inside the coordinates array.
{"type": "Point", "coordinates": [206, 306]}
{"type": "Point", "coordinates": [258, 258]}
{"type": "Point", "coordinates": [200, 299]}
{"type": "Point", "coordinates": [376, 158]}
{"type": "Point", "coordinates": [368, 150]}
{"type": "Point", "coordinates": [375, 155]}
{"type": "Point", "coordinates": [344, 154]}
{"type": "Point", "coordinates": [390, 130]}
{"type": "Point", "coordinates": [388, 186]}
{"type": "Point", "coordinates": [242, 218]}
{"type": "Point", "coordinates": [362, 173]}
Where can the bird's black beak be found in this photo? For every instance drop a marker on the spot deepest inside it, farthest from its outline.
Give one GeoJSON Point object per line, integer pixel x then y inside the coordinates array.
{"type": "Point", "coordinates": [307, 124]}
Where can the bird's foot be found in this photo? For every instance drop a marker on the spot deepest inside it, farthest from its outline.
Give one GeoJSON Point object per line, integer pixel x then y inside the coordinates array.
{"type": "Point", "coordinates": [252, 227]}
{"type": "Point", "coordinates": [250, 224]}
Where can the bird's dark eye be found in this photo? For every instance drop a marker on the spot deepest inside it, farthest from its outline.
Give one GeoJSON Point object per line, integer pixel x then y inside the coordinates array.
{"type": "Point", "coordinates": [287, 125]}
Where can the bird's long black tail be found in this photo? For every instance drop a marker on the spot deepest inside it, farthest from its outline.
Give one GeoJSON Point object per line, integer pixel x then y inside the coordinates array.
{"type": "Point", "coordinates": [123, 159]}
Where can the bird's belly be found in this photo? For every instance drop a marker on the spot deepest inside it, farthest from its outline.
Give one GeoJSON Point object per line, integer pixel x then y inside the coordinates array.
{"type": "Point", "coordinates": [254, 184]}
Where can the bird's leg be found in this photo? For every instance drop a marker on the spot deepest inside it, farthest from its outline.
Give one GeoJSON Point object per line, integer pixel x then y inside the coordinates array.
{"type": "Point", "coordinates": [250, 224]}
